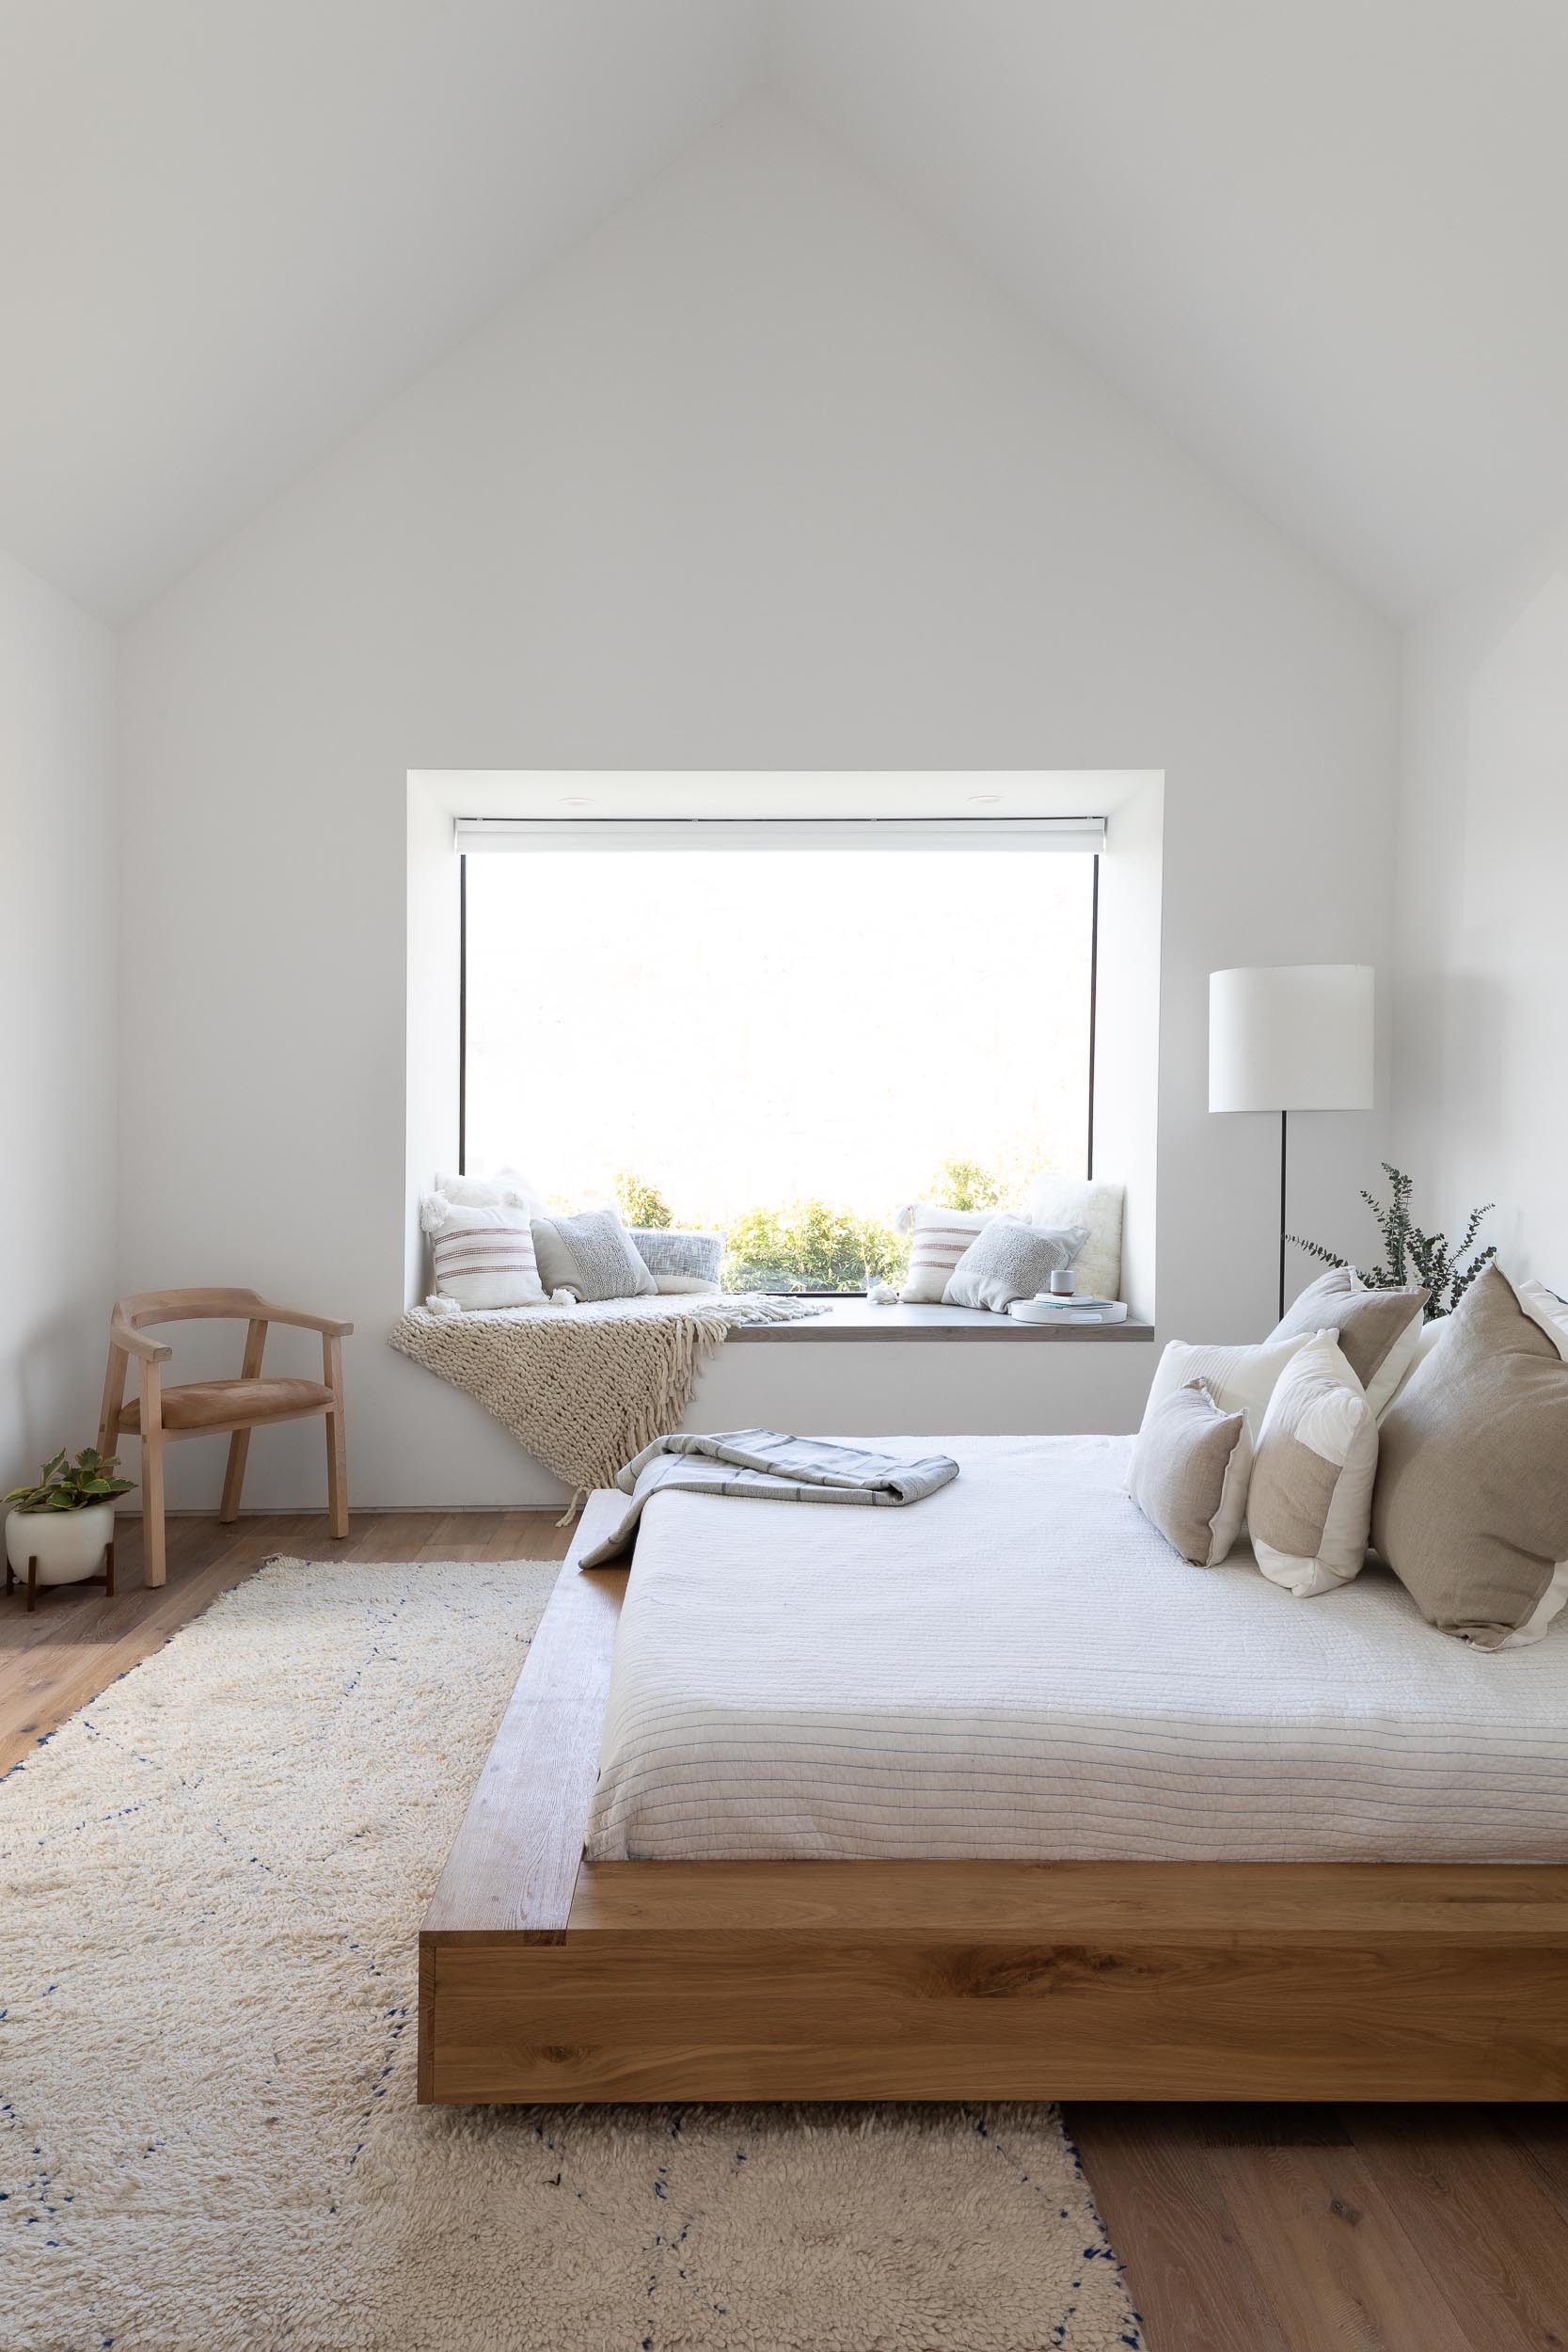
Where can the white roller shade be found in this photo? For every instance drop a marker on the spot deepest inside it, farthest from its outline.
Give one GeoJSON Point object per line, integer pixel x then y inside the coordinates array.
{"type": "Point", "coordinates": [484, 834]}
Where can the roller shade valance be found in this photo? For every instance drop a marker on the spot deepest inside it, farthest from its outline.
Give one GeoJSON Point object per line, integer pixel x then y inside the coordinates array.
{"type": "Point", "coordinates": [1084, 834]}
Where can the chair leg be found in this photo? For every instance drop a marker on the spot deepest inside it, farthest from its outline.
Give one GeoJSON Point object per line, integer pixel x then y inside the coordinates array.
{"type": "Point", "coordinates": [336, 1448]}
{"type": "Point", "coordinates": [239, 1445]}
{"type": "Point", "coordinates": [234, 1477]}
{"type": "Point", "coordinates": [32, 1585]}
{"type": "Point", "coordinates": [114, 1397]}
{"type": "Point", "coordinates": [154, 1566]}
{"type": "Point", "coordinates": [109, 1571]}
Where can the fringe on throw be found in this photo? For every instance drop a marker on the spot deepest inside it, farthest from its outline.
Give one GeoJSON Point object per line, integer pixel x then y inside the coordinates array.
{"type": "Point", "coordinates": [586, 1389]}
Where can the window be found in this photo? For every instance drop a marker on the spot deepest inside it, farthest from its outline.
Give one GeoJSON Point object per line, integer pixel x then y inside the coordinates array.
{"type": "Point", "coordinates": [784, 1041]}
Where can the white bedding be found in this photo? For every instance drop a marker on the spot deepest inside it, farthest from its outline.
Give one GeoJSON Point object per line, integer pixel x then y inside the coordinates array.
{"type": "Point", "coordinates": [1021, 1669]}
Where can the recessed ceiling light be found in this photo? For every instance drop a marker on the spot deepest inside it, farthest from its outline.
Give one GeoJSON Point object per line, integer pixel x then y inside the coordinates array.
{"type": "Point", "coordinates": [985, 800]}
{"type": "Point", "coordinates": [576, 801]}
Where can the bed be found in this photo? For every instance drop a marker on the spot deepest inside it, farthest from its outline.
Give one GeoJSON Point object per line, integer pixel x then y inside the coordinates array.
{"type": "Point", "coordinates": [995, 1797]}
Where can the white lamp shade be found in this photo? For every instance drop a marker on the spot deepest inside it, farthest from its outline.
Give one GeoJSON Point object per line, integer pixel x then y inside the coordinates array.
{"type": "Point", "coordinates": [1290, 1037]}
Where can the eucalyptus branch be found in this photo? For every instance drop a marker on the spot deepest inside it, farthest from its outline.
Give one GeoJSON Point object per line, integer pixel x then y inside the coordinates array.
{"type": "Point", "coordinates": [1407, 1250]}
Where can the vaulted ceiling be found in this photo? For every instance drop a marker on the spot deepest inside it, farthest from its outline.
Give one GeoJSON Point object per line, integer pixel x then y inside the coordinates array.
{"type": "Point", "coordinates": [1324, 241]}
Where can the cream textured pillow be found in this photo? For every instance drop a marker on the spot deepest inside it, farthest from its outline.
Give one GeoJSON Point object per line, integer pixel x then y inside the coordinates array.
{"type": "Point", "coordinates": [1471, 1507]}
{"type": "Point", "coordinates": [1311, 1502]}
{"type": "Point", "coordinates": [1189, 1476]}
{"type": "Point", "coordinates": [939, 1238]}
{"type": "Point", "coordinates": [481, 1257]}
{"type": "Point", "coordinates": [1071, 1201]}
{"type": "Point", "coordinates": [1379, 1331]}
{"type": "Point", "coordinates": [592, 1256]}
{"type": "Point", "coordinates": [1009, 1261]}
{"type": "Point", "coordinates": [1240, 1379]}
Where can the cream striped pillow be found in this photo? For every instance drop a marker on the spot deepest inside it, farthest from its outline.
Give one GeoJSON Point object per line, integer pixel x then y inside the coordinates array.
{"type": "Point", "coordinates": [939, 1238]}
{"type": "Point", "coordinates": [483, 1257]}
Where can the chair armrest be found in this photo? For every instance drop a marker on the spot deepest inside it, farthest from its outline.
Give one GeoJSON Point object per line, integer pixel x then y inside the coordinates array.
{"type": "Point", "coordinates": [135, 1344]}
{"type": "Point", "coordinates": [326, 1325]}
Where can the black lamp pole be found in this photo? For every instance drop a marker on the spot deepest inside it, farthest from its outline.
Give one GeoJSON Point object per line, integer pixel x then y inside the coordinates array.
{"type": "Point", "coordinates": [1284, 1116]}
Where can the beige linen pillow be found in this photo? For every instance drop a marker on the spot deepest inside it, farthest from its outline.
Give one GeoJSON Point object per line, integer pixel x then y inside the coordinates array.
{"type": "Point", "coordinates": [1471, 1507]}
{"type": "Point", "coordinates": [1009, 1261]}
{"type": "Point", "coordinates": [1311, 1501]}
{"type": "Point", "coordinates": [1379, 1331]}
{"type": "Point", "coordinates": [1240, 1379]}
{"type": "Point", "coordinates": [592, 1256]}
{"type": "Point", "coordinates": [1189, 1475]}
{"type": "Point", "coordinates": [481, 1256]}
{"type": "Point", "coordinates": [1072, 1201]}
{"type": "Point", "coordinates": [938, 1239]}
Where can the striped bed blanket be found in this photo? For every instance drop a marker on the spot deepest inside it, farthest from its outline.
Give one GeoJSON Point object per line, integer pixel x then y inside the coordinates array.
{"type": "Point", "coordinates": [764, 1466]}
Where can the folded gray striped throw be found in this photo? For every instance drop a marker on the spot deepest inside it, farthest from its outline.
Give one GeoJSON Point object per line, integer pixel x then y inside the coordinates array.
{"type": "Point", "coordinates": [764, 1466]}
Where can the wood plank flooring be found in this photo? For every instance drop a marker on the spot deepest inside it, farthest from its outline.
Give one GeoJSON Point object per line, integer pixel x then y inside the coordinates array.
{"type": "Point", "coordinates": [1243, 2229]}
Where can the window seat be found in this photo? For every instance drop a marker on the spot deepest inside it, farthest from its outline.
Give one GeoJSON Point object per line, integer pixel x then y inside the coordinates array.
{"type": "Point", "coordinates": [857, 1319]}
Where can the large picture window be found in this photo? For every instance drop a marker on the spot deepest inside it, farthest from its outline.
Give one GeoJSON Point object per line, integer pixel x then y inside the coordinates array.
{"type": "Point", "coordinates": [785, 1043]}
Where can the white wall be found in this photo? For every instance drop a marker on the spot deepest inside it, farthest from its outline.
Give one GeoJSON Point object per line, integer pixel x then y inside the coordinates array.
{"type": "Point", "coordinates": [58, 1024]}
{"type": "Point", "coordinates": [761, 476]}
{"type": "Point", "coordinates": [1483, 910]}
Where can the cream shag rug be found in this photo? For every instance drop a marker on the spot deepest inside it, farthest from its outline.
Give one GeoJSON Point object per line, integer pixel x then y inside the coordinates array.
{"type": "Point", "coordinates": [211, 1884]}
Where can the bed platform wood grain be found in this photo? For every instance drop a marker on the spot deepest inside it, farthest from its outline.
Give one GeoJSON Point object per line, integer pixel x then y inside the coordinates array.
{"type": "Point", "coordinates": [546, 1979]}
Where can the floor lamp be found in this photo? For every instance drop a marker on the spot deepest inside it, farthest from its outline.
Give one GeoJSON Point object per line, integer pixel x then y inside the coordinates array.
{"type": "Point", "coordinates": [1290, 1037]}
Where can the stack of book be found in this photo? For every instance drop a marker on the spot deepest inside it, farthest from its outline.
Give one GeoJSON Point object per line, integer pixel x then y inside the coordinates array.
{"type": "Point", "coordinates": [1079, 1307]}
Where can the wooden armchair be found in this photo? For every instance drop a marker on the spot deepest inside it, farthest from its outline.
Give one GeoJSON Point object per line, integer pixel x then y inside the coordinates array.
{"type": "Point", "coordinates": [201, 1409]}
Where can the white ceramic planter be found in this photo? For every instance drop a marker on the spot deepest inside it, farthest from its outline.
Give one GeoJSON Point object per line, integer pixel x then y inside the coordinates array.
{"type": "Point", "coordinates": [66, 1544]}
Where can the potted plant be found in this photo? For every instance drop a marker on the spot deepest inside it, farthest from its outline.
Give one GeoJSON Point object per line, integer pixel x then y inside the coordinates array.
{"type": "Point", "coordinates": [66, 1522]}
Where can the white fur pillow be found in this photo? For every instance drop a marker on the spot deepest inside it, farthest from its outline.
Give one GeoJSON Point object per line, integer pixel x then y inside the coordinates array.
{"type": "Point", "coordinates": [482, 1256]}
{"type": "Point", "coordinates": [1069, 1200]}
{"type": "Point", "coordinates": [505, 1190]}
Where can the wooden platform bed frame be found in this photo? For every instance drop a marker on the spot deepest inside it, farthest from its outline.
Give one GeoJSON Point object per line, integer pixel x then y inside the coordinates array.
{"type": "Point", "coordinates": [544, 1978]}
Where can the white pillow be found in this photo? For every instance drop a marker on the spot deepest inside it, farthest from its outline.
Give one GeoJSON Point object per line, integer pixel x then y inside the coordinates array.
{"type": "Point", "coordinates": [1546, 1308]}
{"type": "Point", "coordinates": [1070, 1200]}
{"type": "Point", "coordinates": [1400, 1360]}
{"type": "Point", "coordinates": [483, 1257]}
{"type": "Point", "coordinates": [1240, 1379]}
{"type": "Point", "coordinates": [505, 1190]}
{"type": "Point", "coordinates": [940, 1236]}
{"type": "Point", "coordinates": [1309, 1503]}
{"type": "Point", "coordinates": [1426, 1336]}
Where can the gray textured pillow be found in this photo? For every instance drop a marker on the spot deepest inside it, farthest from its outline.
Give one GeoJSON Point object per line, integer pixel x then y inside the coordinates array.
{"type": "Point", "coordinates": [592, 1255]}
{"type": "Point", "coordinates": [1188, 1474]}
{"type": "Point", "coordinates": [1009, 1261]}
{"type": "Point", "coordinates": [678, 1262]}
{"type": "Point", "coordinates": [1379, 1331]}
{"type": "Point", "coordinates": [1470, 1510]}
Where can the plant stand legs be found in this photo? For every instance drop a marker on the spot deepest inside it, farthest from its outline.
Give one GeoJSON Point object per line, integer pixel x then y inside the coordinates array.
{"type": "Point", "coordinates": [107, 1578]}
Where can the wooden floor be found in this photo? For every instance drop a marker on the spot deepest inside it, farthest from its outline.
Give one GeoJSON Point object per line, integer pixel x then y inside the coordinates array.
{"type": "Point", "coordinates": [1243, 2229]}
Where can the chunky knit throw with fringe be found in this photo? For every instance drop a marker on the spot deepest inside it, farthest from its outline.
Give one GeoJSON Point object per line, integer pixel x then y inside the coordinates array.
{"type": "Point", "coordinates": [585, 1388]}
